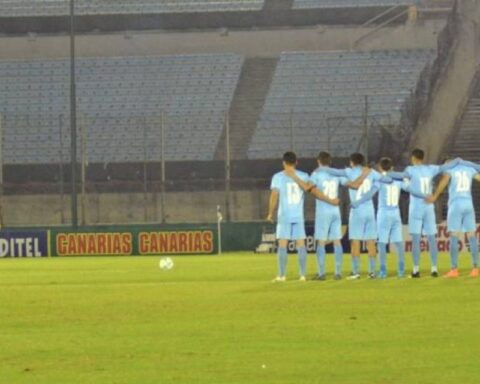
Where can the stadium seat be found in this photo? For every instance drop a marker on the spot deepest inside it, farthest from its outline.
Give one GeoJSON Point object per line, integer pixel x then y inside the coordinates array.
{"type": "Point", "coordinates": [319, 99]}
{"type": "Point", "coordinates": [120, 103]}
{"type": "Point", "coordinates": [22, 8]}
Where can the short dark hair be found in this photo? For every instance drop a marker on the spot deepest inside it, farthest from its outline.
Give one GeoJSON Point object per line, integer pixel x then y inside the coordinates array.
{"type": "Point", "coordinates": [324, 158]}
{"type": "Point", "coordinates": [290, 158]}
{"type": "Point", "coordinates": [418, 153]}
{"type": "Point", "coordinates": [386, 163]}
{"type": "Point", "coordinates": [446, 159]}
{"type": "Point", "coordinates": [357, 159]}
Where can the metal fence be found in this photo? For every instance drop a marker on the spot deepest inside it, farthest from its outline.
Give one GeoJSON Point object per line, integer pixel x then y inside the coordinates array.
{"type": "Point", "coordinates": [138, 169]}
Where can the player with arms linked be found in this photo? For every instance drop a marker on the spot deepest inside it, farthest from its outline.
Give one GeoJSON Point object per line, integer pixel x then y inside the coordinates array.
{"type": "Point", "coordinates": [361, 224]}
{"type": "Point", "coordinates": [389, 222]}
{"type": "Point", "coordinates": [421, 213]}
{"type": "Point", "coordinates": [288, 190]}
{"type": "Point", "coordinates": [328, 222]}
{"type": "Point", "coordinates": [461, 213]}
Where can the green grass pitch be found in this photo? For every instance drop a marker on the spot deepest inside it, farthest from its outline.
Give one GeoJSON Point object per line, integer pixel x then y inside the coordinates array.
{"type": "Point", "coordinates": [220, 320]}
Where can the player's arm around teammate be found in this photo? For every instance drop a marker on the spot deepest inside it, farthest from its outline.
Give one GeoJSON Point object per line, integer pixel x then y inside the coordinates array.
{"type": "Point", "coordinates": [290, 217]}
{"type": "Point", "coordinates": [309, 187]}
{"type": "Point", "coordinates": [461, 213]}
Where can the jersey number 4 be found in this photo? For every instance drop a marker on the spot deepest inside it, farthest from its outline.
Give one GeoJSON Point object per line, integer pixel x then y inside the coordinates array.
{"type": "Point", "coordinates": [294, 194]}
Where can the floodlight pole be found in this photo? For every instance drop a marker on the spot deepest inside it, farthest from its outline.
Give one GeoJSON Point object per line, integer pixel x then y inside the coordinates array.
{"type": "Point", "coordinates": [292, 138]}
{"type": "Point", "coordinates": [60, 169]}
{"type": "Point", "coordinates": [163, 168]}
{"type": "Point", "coordinates": [1, 171]}
{"type": "Point", "coordinates": [73, 118]}
{"type": "Point", "coordinates": [145, 188]}
{"type": "Point", "coordinates": [219, 229]}
{"type": "Point", "coordinates": [366, 133]}
{"type": "Point", "coordinates": [83, 144]}
{"type": "Point", "coordinates": [227, 166]}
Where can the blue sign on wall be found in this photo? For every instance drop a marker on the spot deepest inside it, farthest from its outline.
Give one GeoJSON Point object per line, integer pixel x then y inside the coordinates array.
{"type": "Point", "coordinates": [24, 243]}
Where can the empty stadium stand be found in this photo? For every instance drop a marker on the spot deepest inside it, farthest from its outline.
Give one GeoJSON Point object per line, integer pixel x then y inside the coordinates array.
{"type": "Point", "coordinates": [350, 3]}
{"type": "Point", "coordinates": [120, 105]}
{"type": "Point", "coordinates": [318, 100]}
{"type": "Point", "coordinates": [22, 8]}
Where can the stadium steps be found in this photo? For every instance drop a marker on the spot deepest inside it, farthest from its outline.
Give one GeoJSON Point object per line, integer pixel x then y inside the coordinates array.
{"type": "Point", "coordinates": [467, 141]}
{"type": "Point", "coordinates": [247, 105]}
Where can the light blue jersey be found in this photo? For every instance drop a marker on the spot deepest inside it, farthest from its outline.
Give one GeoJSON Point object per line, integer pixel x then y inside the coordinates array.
{"type": "Point", "coordinates": [389, 222]}
{"type": "Point", "coordinates": [421, 178]}
{"type": "Point", "coordinates": [368, 183]}
{"type": "Point", "coordinates": [460, 186]}
{"type": "Point", "coordinates": [421, 215]}
{"type": "Point", "coordinates": [290, 209]}
{"type": "Point", "coordinates": [328, 185]}
{"type": "Point", "coordinates": [362, 223]}
{"type": "Point", "coordinates": [389, 195]}
{"type": "Point", "coordinates": [461, 213]}
{"type": "Point", "coordinates": [328, 223]}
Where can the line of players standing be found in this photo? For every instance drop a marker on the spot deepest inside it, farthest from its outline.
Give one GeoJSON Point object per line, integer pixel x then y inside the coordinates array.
{"type": "Point", "coordinates": [288, 188]}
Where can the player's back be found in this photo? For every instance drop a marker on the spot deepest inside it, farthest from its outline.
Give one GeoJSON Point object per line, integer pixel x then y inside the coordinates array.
{"type": "Point", "coordinates": [328, 185]}
{"type": "Point", "coordinates": [421, 177]}
{"type": "Point", "coordinates": [365, 187]}
{"type": "Point", "coordinates": [389, 196]}
{"type": "Point", "coordinates": [460, 186]}
{"type": "Point", "coordinates": [291, 197]}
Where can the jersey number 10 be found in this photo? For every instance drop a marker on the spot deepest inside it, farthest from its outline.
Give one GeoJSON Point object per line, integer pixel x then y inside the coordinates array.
{"type": "Point", "coordinates": [393, 194]}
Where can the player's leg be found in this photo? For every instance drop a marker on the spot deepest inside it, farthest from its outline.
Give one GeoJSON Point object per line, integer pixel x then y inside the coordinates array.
{"type": "Point", "coordinates": [321, 235]}
{"type": "Point", "coordinates": [321, 259]}
{"type": "Point", "coordinates": [382, 252]}
{"type": "Point", "coordinates": [298, 234]}
{"type": "Point", "coordinates": [473, 244]}
{"type": "Point", "coordinates": [454, 224]}
{"type": "Point", "coordinates": [283, 234]}
{"type": "Point", "coordinates": [383, 230]}
{"type": "Point", "coordinates": [372, 257]}
{"type": "Point", "coordinates": [336, 235]}
{"type": "Point", "coordinates": [400, 248]}
{"type": "Point", "coordinates": [396, 237]}
{"type": "Point", "coordinates": [371, 235]}
{"type": "Point", "coordinates": [338, 248]}
{"type": "Point", "coordinates": [355, 233]}
{"type": "Point", "coordinates": [430, 227]}
{"type": "Point", "coordinates": [355, 251]}
{"type": "Point", "coordinates": [454, 237]}
{"type": "Point", "coordinates": [415, 229]}
{"type": "Point", "coordinates": [470, 227]}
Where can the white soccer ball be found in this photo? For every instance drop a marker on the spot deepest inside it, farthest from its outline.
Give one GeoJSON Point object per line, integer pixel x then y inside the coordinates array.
{"type": "Point", "coordinates": [166, 263]}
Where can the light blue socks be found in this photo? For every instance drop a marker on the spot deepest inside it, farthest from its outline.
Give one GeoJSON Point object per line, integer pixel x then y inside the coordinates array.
{"type": "Point", "coordinates": [454, 251]}
{"type": "Point", "coordinates": [382, 251]}
{"type": "Point", "coordinates": [472, 240]}
{"type": "Point", "coordinates": [302, 260]}
{"type": "Point", "coordinates": [282, 261]}
{"type": "Point", "coordinates": [321, 259]}
{"type": "Point", "coordinates": [338, 259]}
{"type": "Point", "coordinates": [432, 245]}
{"type": "Point", "coordinates": [400, 247]}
